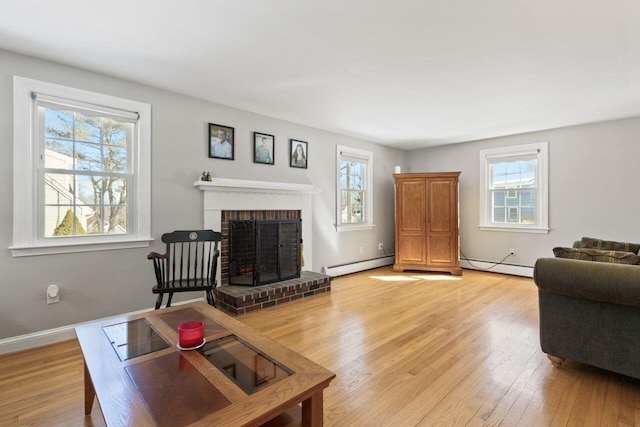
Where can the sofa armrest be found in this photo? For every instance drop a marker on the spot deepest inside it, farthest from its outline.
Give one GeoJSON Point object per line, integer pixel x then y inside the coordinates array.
{"type": "Point", "coordinates": [599, 281]}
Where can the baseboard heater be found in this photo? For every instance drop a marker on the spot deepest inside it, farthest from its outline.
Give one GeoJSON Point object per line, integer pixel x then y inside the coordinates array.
{"type": "Point", "coordinates": [354, 267]}
{"type": "Point", "coordinates": [511, 269]}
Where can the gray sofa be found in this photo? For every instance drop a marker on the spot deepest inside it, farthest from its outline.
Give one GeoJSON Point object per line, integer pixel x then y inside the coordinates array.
{"type": "Point", "coordinates": [590, 312]}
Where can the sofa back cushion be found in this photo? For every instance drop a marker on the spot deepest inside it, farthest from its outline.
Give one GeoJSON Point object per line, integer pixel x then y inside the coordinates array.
{"type": "Point", "coordinates": [609, 245]}
{"type": "Point", "coordinates": [589, 254]}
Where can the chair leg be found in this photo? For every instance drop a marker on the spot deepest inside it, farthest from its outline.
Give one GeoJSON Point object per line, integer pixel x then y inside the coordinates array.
{"type": "Point", "coordinates": [159, 301]}
{"type": "Point", "coordinates": [210, 300]}
{"type": "Point", "coordinates": [170, 297]}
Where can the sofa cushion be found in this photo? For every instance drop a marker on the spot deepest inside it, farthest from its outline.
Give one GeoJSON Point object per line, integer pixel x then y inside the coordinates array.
{"type": "Point", "coordinates": [609, 245]}
{"type": "Point", "coordinates": [589, 254]}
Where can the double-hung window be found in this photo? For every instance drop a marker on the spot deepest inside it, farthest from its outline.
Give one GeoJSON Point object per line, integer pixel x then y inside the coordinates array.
{"type": "Point", "coordinates": [81, 170]}
{"type": "Point", "coordinates": [514, 188]}
{"type": "Point", "coordinates": [354, 189]}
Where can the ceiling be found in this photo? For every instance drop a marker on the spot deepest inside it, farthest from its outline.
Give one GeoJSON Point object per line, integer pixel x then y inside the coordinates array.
{"type": "Point", "coordinates": [404, 73]}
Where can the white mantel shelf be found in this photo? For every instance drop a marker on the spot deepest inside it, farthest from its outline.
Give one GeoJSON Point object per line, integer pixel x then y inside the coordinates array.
{"type": "Point", "coordinates": [223, 194]}
{"type": "Point", "coordinates": [247, 186]}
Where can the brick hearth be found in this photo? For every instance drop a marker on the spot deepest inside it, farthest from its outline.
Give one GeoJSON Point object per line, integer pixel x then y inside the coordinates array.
{"type": "Point", "coordinates": [243, 299]}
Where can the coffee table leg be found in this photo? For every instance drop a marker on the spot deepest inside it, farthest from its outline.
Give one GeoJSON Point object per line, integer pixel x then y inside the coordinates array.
{"type": "Point", "coordinates": [312, 410]}
{"type": "Point", "coordinates": [89, 391]}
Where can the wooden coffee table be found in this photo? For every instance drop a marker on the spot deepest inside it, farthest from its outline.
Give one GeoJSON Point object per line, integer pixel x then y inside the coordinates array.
{"type": "Point", "coordinates": [239, 377]}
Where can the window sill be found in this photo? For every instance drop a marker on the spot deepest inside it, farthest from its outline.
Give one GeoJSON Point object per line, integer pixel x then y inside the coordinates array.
{"type": "Point", "coordinates": [343, 228]}
{"type": "Point", "coordinates": [514, 229]}
{"type": "Point", "coordinates": [68, 248]}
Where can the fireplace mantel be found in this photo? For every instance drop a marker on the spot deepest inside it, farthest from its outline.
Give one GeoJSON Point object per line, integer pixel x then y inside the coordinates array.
{"type": "Point", "coordinates": [236, 194]}
{"type": "Point", "coordinates": [247, 186]}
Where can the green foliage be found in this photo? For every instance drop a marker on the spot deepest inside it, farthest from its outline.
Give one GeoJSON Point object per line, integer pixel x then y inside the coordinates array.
{"type": "Point", "coordinates": [65, 228]}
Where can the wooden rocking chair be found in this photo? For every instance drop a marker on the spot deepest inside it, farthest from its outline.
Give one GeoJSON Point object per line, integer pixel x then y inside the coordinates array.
{"type": "Point", "coordinates": [189, 264]}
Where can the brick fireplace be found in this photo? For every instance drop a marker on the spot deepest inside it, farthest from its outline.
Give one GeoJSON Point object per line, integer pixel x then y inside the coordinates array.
{"type": "Point", "coordinates": [225, 198]}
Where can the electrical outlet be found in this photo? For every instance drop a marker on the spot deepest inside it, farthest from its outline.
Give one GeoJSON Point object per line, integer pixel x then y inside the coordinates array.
{"type": "Point", "coordinates": [380, 247]}
{"type": "Point", "coordinates": [53, 294]}
{"type": "Point", "coordinates": [512, 251]}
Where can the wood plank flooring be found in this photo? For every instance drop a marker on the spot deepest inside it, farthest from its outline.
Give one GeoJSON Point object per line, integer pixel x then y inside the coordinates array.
{"type": "Point", "coordinates": [408, 349]}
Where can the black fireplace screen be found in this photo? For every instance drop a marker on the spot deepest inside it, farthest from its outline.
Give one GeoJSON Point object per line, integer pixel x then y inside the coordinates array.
{"type": "Point", "coordinates": [263, 251]}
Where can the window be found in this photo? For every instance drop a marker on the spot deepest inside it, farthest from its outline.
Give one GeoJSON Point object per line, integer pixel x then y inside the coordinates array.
{"type": "Point", "coordinates": [514, 188]}
{"type": "Point", "coordinates": [81, 170]}
{"type": "Point", "coordinates": [354, 190]}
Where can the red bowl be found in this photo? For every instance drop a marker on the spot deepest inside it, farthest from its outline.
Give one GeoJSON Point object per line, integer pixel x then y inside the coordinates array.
{"type": "Point", "coordinates": [190, 334]}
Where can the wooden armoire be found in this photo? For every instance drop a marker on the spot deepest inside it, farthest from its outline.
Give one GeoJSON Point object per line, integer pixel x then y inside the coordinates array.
{"type": "Point", "coordinates": [427, 222]}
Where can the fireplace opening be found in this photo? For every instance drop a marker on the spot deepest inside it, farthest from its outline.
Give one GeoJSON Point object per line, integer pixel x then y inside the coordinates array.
{"type": "Point", "coordinates": [264, 251]}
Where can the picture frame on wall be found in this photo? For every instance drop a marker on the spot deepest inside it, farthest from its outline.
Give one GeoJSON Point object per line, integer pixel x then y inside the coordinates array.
{"type": "Point", "coordinates": [221, 142]}
{"type": "Point", "coordinates": [263, 145]}
{"type": "Point", "coordinates": [299, 153]}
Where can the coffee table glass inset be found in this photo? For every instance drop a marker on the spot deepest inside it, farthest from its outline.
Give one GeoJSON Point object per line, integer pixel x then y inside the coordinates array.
{"type": "Point", "coordinates": [134, 338]}
{"type": "Point", "coordinates": [243, 364]}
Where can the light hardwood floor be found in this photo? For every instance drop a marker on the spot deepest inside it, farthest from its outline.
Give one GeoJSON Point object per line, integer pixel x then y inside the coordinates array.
{"type": "Point", "coordinates": [408, 349]}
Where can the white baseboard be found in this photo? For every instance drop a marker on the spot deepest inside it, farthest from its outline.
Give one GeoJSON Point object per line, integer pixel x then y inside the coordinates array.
{"type": "Point", "coordinates": [354, 267]}
{"type": "Point", "coordinates": [50, 336]}
{"type": "Point", "coordinates": [514, 270]}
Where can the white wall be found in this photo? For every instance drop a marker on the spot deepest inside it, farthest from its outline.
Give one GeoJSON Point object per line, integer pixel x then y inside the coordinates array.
{"type": "Point", "coordinates": [102, 284]}
{"type": "Point", "coordinates": [593, 184]}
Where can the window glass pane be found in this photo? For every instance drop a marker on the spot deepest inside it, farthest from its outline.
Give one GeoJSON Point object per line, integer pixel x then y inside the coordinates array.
{"type": "Point", "coordinates": [58, 154]}
{"type": "Point", "coordinates": [87, 129]}
{"type": "Point", "coordinates": [58, 124]}
{"type": "Point", "coordinates": [356, 198]}
{"type": "Point", "coordinates": [527, 215]}
{"type": "Point", "coordinates": [343, 181]}
{"type": "Point", "coordinates": [512, 201]}
{"type": "Point", "coordinates": [88, 156]}
{"type": "Point", "coordinates": [58, 189]}
{"type": "Point", "coordinates": [89, 189]}
{"type": "Point", "coordinates": [498, 174]}
{"type": "Point", "coordinates": [115, 219]}
{"type": "Point", "coordinates": [356, 215]}
{"type": "Point", "coordinates": [115, 158]}
{"type": "Point", "coordinates": [94, 223]}
{"type": "Point", "coordinates": [513, 174]}
{"type": "Point", "coordinates": [512, 215]}
{"type": "Point", "coordinates": [115, 190]}
{"type": "Point", "coordinates": [355, 182]}
{"type": "Point", "coordinates": [499, 198]}
{"type": "Point", "coordinates": [61, 221]}
{"type": "Point", "coordinates": [527, 198]}
{"type": "Point", "coordinates": [499, 215]}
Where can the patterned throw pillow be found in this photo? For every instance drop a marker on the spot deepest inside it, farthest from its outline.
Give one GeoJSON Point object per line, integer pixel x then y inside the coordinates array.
{"type": "Point", "coordinates": [589, 254]}
{"type": "Point", "coordinates": [609, 245]}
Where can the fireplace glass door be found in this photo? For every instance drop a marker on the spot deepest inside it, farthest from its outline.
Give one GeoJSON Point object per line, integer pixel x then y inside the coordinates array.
{"type": "Point", "coordinates": [264, 251]}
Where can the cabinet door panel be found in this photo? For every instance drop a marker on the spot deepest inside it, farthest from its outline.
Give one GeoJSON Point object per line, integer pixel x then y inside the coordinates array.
{"type": "Point", "coordinates": [410, 224]}
{"type": "Point", "coordinates": [440, 250]}
{"type": "Point", "coordinates": [441, 222]}
{"type": "Point", "coordinates": [440, 206]}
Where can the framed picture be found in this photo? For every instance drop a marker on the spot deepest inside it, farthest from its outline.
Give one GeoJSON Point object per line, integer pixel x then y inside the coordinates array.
{"type": "Point", "coordinates": [220, 142]}
{"type": "Point", "coordinates": [299, 154]}
{"type": "Point", "coordinates": [265, 369]}
{"type": "Point", "coordinates": [263, 148]}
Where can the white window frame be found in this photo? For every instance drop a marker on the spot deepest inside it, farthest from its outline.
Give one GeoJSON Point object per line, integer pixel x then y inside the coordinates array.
{"type": "Point", "coordinates": [541, 149]}
{"type": "Point", "coordinates": [345, 153]}
{"type": "Point", "coordinates": [26, 201]}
